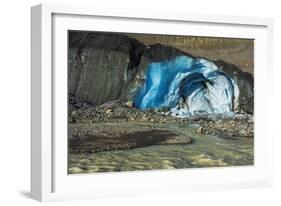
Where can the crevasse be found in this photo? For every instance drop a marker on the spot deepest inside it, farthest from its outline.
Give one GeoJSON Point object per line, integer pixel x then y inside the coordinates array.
{"type": "Point", "coordinates": [188, 86]}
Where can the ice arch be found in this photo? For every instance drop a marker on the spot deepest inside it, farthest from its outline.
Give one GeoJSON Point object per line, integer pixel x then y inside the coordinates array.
{"type": "Point", "coordinates": [188, 86]}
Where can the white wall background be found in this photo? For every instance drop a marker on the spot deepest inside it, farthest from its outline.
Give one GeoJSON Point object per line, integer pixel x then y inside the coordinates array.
{"type": "Point", "coordinates": [15, 101]}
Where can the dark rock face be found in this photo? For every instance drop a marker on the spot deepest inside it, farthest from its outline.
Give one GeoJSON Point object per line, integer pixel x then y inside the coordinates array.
{"type": "Point", "coordinates": [101, 64]}
{"type": "Point", "coordinates": [245, 82]}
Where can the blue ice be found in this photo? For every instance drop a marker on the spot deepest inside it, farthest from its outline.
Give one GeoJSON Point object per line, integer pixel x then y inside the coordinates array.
{"type": "Point", "coordinates": [187, 85]}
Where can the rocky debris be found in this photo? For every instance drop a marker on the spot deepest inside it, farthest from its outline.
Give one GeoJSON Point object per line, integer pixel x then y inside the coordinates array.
{"type": "Point", "coordinates": [75, 103]}
{"type": "Point", "coordinates": [91, 138]}
{"type": "Point", "coordinates": [241, 125]}
{"type": "Point", "coordinates": [237, 126]}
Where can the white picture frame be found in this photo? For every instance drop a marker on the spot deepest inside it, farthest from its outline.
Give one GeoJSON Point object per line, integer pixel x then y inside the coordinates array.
{"type": "Point", "coordinates": [49, 179]}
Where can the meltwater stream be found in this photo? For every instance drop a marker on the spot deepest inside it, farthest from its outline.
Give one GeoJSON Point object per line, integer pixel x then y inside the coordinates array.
{"type": "Point", "coordinates": [188, 86]}
{"type": "Point", "coordinates": [205, 151]}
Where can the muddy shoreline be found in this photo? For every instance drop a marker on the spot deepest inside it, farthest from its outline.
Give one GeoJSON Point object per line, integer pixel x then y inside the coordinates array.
{"type": "Point", "coordinates": [92, 138]}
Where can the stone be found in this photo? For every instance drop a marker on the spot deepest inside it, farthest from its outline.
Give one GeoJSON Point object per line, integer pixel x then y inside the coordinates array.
{"type": "Point", "coordinates": [130, 104]}
{"type": "Point", "coordinates": [108, 111]}
{"type": "Point", "coordinates": [199, 130]}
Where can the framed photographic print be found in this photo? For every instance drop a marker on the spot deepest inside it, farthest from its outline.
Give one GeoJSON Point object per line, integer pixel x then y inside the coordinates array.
{"type": "Point", "coordinates": [138, 102]}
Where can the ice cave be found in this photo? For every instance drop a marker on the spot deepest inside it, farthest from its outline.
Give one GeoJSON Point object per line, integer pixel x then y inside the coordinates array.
{"type": "Point", "coordinates": [188, 86]}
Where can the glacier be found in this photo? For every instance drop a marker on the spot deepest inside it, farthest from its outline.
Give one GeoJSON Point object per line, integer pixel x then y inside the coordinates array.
{"type": "Point", "coordinates": [188, 86]}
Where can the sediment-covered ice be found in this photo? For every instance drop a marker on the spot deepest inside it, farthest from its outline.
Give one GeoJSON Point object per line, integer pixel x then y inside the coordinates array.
{"type": "Point", "coordinates": [189, 86]}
